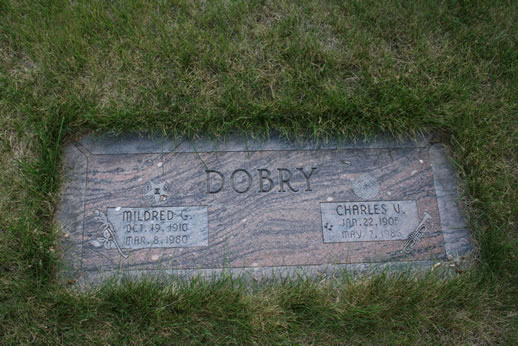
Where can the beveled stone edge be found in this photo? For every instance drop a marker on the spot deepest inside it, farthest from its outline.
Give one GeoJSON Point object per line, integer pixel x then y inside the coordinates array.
{"type": "Point", "coordinates": [92, 279]}
{"type": "Point", "coordinates": [70, 210]}
{"type": "Point", "coordinates": [457, 238]}
{"type": "Point", "coordinates": [143, 144]}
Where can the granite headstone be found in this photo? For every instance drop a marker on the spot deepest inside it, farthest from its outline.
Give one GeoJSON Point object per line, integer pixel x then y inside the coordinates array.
{"type": "Point", "coordinates": [135, 206]}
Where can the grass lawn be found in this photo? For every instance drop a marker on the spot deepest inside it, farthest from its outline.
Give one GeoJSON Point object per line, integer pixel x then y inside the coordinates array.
{"type": "Point", "coordinates": [337, 68]}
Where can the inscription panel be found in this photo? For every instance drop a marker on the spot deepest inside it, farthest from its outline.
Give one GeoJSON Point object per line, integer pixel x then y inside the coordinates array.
{"type": "Point", "coordinates": [263, 208]}
{"type": "Point", "coordinates": [159, 227]}
{"type": "Point", "coordinates": [368, 221]}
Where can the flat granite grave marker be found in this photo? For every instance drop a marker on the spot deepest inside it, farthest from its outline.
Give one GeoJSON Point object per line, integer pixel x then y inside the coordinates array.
{"type": "Point", "coordinates": [133, 205]}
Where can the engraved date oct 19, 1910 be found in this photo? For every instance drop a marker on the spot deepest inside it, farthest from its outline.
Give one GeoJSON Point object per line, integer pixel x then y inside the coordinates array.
{"type": "Point", "coordinates": [163, 227]}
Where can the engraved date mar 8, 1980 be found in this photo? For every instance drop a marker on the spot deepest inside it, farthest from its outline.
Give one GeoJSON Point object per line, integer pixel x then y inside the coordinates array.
{"type": "Point", "coordinates": [158, 227]}
{"type": "Point", "coordinates": [368, 221]}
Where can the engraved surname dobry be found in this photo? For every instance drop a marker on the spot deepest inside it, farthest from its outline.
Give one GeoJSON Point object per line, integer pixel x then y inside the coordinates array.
{"type": "Point", "coordinates": [242, 180]}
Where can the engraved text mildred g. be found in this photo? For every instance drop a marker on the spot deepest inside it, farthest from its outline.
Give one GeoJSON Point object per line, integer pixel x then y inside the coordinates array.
{"type": "Point", "coordinates": [159, 227]}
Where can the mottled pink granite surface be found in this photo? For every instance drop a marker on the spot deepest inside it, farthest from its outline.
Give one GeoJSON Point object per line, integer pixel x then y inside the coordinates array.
{"type": "Point", "coordinates": [147, 204]}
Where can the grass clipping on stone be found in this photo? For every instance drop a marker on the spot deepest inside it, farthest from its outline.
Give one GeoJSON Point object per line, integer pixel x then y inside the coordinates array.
{"type": "Point", "coordinates": [345, 69]}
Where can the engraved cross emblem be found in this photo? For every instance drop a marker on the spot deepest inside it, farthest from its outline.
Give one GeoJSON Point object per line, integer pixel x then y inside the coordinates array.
{"type": "Point", "coordinates": [159, 191]}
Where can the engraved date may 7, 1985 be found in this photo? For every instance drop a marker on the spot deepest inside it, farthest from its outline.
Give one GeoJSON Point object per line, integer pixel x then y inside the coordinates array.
{"type": "Point", "coordinates": [368, 221]}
